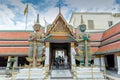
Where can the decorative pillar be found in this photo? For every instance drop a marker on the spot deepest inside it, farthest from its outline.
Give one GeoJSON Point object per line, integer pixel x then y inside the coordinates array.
{"type": "Point", "coordinates": [8, 64]}
{"type": "Point", "coordinates": [72, 53]}
{"type": "Point", "coordinates": [47, 53]}
{"type": "Point", "coordinates": [118, 62]}
{"type": "Point", "coordinates": [16, 61]}
{"type": "Point", "coordinates": [115, 59]}
{"type": "Point", "coordinates": [102, 61]}
{"type": "Point", "coordinates": [86, 54]}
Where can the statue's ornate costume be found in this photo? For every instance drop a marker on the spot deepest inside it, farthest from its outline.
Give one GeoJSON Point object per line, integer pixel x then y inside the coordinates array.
{"type": "Point", "coordinates": [36, 41]}
{"type": "Point", "coordinates": [36, 45]}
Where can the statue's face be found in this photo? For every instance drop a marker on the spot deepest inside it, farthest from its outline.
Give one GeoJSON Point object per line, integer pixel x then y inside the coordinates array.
{"type": "Point", "coordinates": [82, 28]}
{"type": "Point", "coordinates": [36, 28]}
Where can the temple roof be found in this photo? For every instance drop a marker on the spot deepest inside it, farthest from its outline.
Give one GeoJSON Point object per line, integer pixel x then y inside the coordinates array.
{"type": "Point", "coordinates": [5, 51]}
{"type": "Point", "coordinates": [96, 36]}
{"type": "Point", "coordinates": [14, 35]}
{"type": "Point", "coordinates": [110, 40]}
{"type": "Point", "coordinates": [115, 29]}
{"type": "Point", "coordinates": [60, 31]}
{"type": "Point", "coordinates": [59, 26]}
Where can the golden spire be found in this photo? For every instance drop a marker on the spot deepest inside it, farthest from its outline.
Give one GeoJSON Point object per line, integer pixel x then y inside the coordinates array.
{"type": "Point", "coordinates": [59, 7]}
{"type": "Point", "coordinates": [37, 22]}
{"type": "Point", "coordinates": [37, 18]}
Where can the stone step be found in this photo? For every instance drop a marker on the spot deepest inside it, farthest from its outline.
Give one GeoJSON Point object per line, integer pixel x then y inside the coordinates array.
{"type": "Point", "coordinates": [88, 73]}
{"type": "Point", "coordinates": [89, 69]}
{"type": "Point", "coordinates": [90, 76]}
{"type": "Point", "coordinates": [35, 74]}
{"type": "Point", "coordinates": [61, 77]}
{"type": "Point", "coordinates": [62, 74]}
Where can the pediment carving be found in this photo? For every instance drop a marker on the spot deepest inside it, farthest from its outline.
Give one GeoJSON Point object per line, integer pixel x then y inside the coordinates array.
{"type": "Point", "coordinates": [60, 26]}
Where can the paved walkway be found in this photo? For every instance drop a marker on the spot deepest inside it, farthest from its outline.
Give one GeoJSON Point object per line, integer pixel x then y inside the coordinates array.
{"type": "Point", "coordinates": [113, 73]}
{"type": "Point", "coordinates": [3, 77]}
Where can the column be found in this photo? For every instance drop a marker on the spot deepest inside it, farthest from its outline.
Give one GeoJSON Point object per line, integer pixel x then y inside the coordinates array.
{"type": "Point", "coordinates": [8, 71]}
{"type": "Point", "coordinates": [115, 59]}
{"type": "Point", "coordinates": [8, 64]}
{"type": "Point", "coordinates": [86, 54]}
{"type": "Point", "coordinates": [72, 54]}
{"type": "Point", "coordinates": [118, 62]}
{"type": "Point", "coordinates": [16, 61]}
{"type": "Point", "coordinates": [47, 49]}
{"type": "Point", "coordinates": [102, 65]}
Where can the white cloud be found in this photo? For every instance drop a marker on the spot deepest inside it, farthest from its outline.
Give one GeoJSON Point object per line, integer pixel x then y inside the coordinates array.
{"type": "Point", "coordinates": [14, 19]}
{"type": "Point", "coordinates": [6, 16]}
{"type": "Point", "coordinates": [17, 4]}
{"type": "Point", "coordinates": [49, 15]}
{"type": "Point", "coordinates": [91, 5]}
{"type": "Point", "coordinates": [9, 18]}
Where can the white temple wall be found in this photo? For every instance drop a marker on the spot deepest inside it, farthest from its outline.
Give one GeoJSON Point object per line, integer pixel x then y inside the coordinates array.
{"type": "Point", "coordinates": [102, 63]}
{"type": "Point", "coordinates": [97, 61]}
{"type": "Point", "coordinates": [47, 54]}
{"type": "Point", "coordinates": [118, 62]}
{"type": "Point", "coordinates": [73, 52]}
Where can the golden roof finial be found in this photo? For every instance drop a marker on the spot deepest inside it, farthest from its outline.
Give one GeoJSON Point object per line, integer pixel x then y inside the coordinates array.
{"type": "Point", "coordinates": [37, 18]}
{"type": "Point", "coordinates": [59, 7]}
{"type": "Point", "coordinates": [37, 24]}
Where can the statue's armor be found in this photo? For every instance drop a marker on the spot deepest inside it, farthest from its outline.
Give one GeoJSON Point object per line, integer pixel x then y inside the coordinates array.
{"type": "Point", "coordinates": [38, 45]}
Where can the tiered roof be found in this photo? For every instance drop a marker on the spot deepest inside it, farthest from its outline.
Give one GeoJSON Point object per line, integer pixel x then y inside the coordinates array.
{"type": "Point", "coordinates": [95, 41]}
{"type": "Point", "coordinates": [59, 31]}
{"type": "Point", "coordinates": [110, 40]}
{"type": "Point", "coordinates": [14, 42]}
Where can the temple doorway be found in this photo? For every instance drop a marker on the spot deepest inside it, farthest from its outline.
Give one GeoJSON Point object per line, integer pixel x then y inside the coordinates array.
{"type": "Point", "coordinates": [3, 61]}
{"type": "Point", "coordinates": [61, 51]}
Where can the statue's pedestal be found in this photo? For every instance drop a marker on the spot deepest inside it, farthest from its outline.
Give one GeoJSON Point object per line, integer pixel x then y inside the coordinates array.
{"type": "Point", "coordinates": [88, 73]}
{"type": "Point", "coordinates": [32, 74]}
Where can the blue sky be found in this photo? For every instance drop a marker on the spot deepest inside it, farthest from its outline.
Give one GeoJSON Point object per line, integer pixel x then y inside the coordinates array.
{"type": "Point", "coordinates": [12, 16]}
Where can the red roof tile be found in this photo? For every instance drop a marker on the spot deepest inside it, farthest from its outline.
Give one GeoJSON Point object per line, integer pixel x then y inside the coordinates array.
{"type": "Point", "coordinates": [13, 42]}
{"type": "Point", "coordinates": [14, 50]}
{"type": "Point", "coordinates": [96, 36]}
{"type": "Point", "coordinates": [111, 39]}
{"type": "Point", "coordinates": [113, 46]}
{"type": "Point", "coordinates": [113, 30]}
{"type": "Point", "coordinates": [111, 43]}
{"type": "Point", "coordinates": [93, 49]}
{"type": "Point", "coordinates": [14, 35]}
